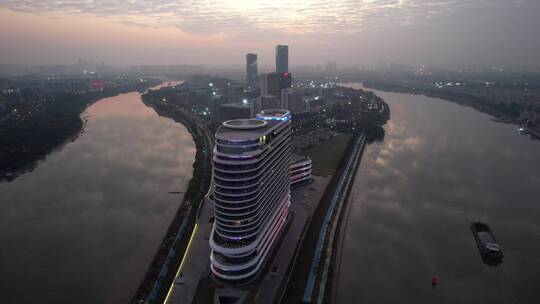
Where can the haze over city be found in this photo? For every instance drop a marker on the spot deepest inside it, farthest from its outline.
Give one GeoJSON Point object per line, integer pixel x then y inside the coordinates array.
{"type": "Point", "coordinates": [262, 152]}
{"type": "Point", "coordinates": [446, 33]}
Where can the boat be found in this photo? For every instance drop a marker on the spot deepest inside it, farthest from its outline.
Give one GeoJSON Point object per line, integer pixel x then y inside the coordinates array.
{"type": "Point", "coordinates": [487, 244]}
{"type": "Point", "coordinates": [523, 130]}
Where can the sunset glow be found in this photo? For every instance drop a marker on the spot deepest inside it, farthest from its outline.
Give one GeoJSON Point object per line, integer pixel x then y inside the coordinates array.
{"type": "Point", "coordinates": [188, 31]}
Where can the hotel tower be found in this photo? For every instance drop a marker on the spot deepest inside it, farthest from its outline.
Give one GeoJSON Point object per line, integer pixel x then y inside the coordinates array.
{"type": "Point", "coordinates": [251, 192]}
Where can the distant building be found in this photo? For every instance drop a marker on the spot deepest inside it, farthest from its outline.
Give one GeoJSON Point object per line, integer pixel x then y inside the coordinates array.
{"type": "Point", "coordinates": [282, 59]}
{"type": "Point", "coordinates": [331, 66]}
{"type": "Point", "coordinates": [270, 84]}
{"type": "Point", "coordinates": [285, 80]}
{"type": "Point", "coordinates": [256, 106]}
{"type": "Point", "coordinates": [284, 100]}
{"type": "Point", "coordinates": [235, 93]}
{"type": "Point", "coordinates": [237, 110]}
{"type": "Point", "coordinates": [252, 176]}
{"type": "Point", "coordinates": [273, 83]}
{"type": "Point", "coordinates": [294, 101]}
{"type": "Point", "coordinates": [251, 70]}
{"type": "Point", "coordinates": [247, 108]}
{"type": "Point", "coordinates": [2, 106]}
{"type": "Point", "coordinates": [269, 102]}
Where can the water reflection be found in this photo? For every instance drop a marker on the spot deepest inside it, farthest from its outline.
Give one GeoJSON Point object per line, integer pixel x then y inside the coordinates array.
{"type": "Point", "coordinates": [83, 227]}
{"type": "Point", "coordinates": [440, 167]}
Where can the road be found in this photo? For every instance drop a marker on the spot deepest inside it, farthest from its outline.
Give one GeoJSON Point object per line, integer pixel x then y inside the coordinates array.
{"type": "Point", "coordinates": [196, 258]}
{"type": "Point", "coordinates": [304, 201]}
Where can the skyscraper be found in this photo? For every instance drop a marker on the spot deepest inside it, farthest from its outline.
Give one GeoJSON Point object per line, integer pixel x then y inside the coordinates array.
{"type": "Point", "coordinates": [251, 69]}
{"type": "Point", "coordinates": [271, 85]}
{"type": "Point", "coordinates": [282, 59]}
{"type": "Point", "coordinates": [252, 192]}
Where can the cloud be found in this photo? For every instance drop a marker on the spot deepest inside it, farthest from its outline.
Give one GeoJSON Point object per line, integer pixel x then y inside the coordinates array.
{"type": "Point", "coordinates": [237, 16]}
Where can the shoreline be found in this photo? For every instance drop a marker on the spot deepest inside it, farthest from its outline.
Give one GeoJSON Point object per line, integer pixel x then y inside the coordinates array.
{"type": "Point", "coordinates": [166, 260]}
{"type": "Point", "coordinates": [464, 100]}
{"type": "Point", "coordinates": [300, 270]}
{"type": "Point", "coordinates": [71, 136]}
{"type": "Point", "coordinates": [482, 107]}
{"type": "Point", "coordinates": [8, 177]}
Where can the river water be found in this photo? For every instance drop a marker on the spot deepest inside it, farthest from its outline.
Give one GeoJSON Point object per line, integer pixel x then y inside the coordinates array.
{"type": "Point", "coordinates": [84, 225]}
{"type": "Point", "coordinates": [440, 167]}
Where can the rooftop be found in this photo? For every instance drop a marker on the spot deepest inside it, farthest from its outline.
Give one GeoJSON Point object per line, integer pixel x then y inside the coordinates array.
{"type": "Point", "coordinates": [274, 114]}
{"type": "Point", "coordinates": [235, 105]}
{"type": "Point", "coordinates": [245, 129]}
{"type": "Point", "coordinates": [244, 124]}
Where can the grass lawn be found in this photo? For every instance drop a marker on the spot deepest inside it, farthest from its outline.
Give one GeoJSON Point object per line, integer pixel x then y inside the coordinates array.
{"type": "Point", "coordinates": [327, 155]}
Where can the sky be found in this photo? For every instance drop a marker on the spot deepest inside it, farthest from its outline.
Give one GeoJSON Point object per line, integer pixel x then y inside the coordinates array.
{"type": "Point", "coordinates": [445, 33]}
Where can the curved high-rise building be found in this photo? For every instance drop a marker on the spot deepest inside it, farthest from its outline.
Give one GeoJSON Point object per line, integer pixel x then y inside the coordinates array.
{"type": "Point", "coordinates": [251, 192]}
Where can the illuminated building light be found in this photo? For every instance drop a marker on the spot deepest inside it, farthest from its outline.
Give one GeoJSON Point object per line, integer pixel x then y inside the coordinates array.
{"type": "Point", "coordinates": [251, 193]}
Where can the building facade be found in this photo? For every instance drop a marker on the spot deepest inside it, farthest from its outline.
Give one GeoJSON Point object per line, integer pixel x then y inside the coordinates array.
{"type": "Point", "coordinates": [235, 110]}
{"type": "Point", "coordinates": [271, 84]}
{"type": "Point", "coordinates": [235, 93]}
{"type": "Point", "coordinates": [251, 70]}
{"type": "Point", "coordinates": [300, 170]}
{"type": "Point", "coordinates": [294, 101]}
{"type": "Point", "coordinates": [282, 59]}
{"type": "Point", "coordinates": [285, 80]}
{"type": "Point", "coordinates": [269, 102]}
{"type": "Point", "coordinates": [252, 178]}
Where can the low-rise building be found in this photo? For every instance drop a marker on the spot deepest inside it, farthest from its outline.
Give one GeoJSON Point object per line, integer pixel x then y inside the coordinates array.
{"type": "Point", "coordinates": [300, 170]}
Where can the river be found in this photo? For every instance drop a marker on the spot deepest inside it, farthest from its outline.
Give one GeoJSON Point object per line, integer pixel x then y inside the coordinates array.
{"type": "Point", "coordinates": [84, 226]}
{"type": "Point", "coordinates": [441, 166]}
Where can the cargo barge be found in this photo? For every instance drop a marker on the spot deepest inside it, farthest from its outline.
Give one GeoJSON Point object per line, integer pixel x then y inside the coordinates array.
{"type": "Point", "coordinates": [487, 244]}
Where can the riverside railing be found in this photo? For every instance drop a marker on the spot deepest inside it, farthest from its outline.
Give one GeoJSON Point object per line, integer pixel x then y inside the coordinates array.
{"type": "Point", "coordinates": [310, 285]}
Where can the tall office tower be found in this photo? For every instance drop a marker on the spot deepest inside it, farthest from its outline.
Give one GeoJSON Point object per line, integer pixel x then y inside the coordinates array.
{"type": "Point", "coordinates": [251, 69]}
{"type": "Point", "coordinates": [252, 192]}
{"type": "Point", "coordinates": [271, 85]}
{"type": "Point", "coordinates": [282, 59]}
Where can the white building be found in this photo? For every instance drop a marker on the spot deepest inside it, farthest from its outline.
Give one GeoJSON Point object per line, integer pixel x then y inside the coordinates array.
{"type": "Point", "coordinates": [251, 193]}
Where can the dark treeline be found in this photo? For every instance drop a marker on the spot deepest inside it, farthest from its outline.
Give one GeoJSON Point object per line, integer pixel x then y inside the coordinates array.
{"type": "Point", "coordinates": [503, 110]}
{"type": "Point", "coordinates": [25, 141]}
{"type": "Point", "coordinates": [365, 113]}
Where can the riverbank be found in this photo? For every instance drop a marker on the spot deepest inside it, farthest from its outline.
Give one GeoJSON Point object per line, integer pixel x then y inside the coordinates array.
{"type": "Point", "coordinates": [308, 271]}
{"type": "Point", "coordinates": [109, 189]}
{"type": "Point", "coordinates": [440, 167]}
{"type": "Point", "coordinates": [504, 113]}
{"type": "Point", "coordinates": [26, 141]}
{"type": "Point", "coordinates": [167, 259]}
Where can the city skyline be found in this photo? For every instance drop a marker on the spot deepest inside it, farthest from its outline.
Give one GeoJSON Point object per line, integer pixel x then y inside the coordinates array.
{"type": "Point", "coordinates": [441, 33]}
